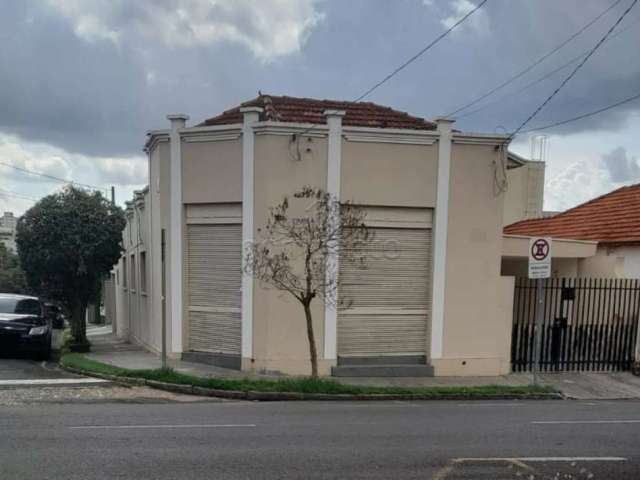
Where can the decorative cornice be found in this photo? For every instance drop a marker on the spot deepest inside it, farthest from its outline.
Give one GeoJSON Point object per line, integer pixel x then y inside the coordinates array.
{"type": "Point", "coordinates": [389, 138]}
{"type": "Point", "coordinates": [283, 128]}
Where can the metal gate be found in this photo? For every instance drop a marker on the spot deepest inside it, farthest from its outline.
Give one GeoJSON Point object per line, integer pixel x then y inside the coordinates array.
{"type": "Point", "coordinates": [588, 324]}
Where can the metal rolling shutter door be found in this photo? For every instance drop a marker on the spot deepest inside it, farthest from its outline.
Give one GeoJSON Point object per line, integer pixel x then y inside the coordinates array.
{"type": "Point", "coordinates": [385, 304]}
{"type": "Point", "coordinates": [214, 280]}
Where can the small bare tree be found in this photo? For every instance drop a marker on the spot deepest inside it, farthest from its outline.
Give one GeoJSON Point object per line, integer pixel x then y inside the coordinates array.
{"type": "Point", "coordinates": [298, 254]}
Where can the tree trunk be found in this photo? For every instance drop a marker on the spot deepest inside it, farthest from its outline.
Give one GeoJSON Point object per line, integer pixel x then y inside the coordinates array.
{"type": "Point", "coordinates": [78, 323]}
{"type": "Point", "coordinates": [312, 341]}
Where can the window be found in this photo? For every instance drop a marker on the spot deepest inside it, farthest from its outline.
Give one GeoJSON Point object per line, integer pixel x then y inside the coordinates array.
{"type": "Point", "coordinates": [125, 278]}
{"type": "Point", "coordinates": [143, 272]}
{"type": "Point", "coordinates": [133, 272]}
{"type": "Point", "coordinates": [16, 306]}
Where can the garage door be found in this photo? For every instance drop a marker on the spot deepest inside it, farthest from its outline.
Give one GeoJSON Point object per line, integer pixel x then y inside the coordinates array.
{"type": "Point", "coordinates": [214, 278]}
{"type": "Point", "coordinates": [385, 301]}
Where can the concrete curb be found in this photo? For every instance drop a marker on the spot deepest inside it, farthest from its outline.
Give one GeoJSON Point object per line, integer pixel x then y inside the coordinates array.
{"type": "Point", "coordinates": [298, 396]}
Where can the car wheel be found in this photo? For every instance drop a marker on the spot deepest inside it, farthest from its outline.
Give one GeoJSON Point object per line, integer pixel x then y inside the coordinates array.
{"type": "Point", "coordinates": [45, 353]}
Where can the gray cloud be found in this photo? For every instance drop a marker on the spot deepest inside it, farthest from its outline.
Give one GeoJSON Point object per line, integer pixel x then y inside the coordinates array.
{"type": "Point", "coordinates": [94, 85]}
{"type": "Point", "coordinates": [621, 166]}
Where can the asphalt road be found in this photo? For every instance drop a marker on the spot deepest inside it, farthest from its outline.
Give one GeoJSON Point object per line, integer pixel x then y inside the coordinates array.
{"type": "Point", "coordinates": [322, 440]}
{"type": "Point", "coordinates": [16, 368]}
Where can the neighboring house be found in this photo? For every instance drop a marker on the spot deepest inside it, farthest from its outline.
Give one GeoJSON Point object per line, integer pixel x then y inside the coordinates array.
{"type": "Point", "coordinates": [611, 221]}
{"type": "Point", "coordinates": [8, 230]}
{"type": "Point", "coordinates": [428, 189]}
{"type": "Point", "coordinates": [134, 317]}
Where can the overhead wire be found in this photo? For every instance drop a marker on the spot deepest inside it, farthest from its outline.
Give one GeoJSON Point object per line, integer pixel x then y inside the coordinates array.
{"type": "Point", "coordinates": [535, 63]}
{"type": "Point", "coordinates": [545, 76]}
{"type": "Point", "coordinates": [404, 65]}
{"type": "Point", "coordinates": [575, 70]}
{"type": "Point", "coordinates": [8, 193]}
{"type": "Point", "coordinates": [584, 115]}
{"type": "Point", "coordinates": [51, 177]}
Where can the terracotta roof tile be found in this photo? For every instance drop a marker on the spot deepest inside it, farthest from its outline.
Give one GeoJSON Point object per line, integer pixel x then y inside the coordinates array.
{"type": "Point", "coordinates": [308, 110]}
{"type": "Point", "coordinates": [613, 218]}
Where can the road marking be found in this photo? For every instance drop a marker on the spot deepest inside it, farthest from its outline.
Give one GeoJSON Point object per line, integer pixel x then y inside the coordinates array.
{"type": "Point", "coordinates": [471, 404]}
{"type": "Point", "coordinates": [579, 422]}
{"type": "Point", "coordinates": [51, 381]}
{"type": "Point", "coordinates": [124, 427]}
{"type": "Point", "coordinates": [542, 459]}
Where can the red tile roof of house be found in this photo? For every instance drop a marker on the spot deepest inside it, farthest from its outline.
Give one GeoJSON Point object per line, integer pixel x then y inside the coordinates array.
{"type": "Point", "coordinates": [613, 218]}
{"type": "Point", "coordinates": [309, 110]}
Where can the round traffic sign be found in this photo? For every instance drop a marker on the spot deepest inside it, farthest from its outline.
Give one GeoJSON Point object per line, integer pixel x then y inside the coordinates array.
{"type": "Point", "coordinates": [540, 249]}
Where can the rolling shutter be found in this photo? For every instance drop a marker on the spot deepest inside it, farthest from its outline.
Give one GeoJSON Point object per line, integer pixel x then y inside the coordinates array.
{"type": "Point", "coordinates": [385, 301]}
{"type": "Point", "coordinates": [214, 259]}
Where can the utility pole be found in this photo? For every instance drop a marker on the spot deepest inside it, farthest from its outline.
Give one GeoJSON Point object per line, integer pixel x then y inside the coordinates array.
{"type": "Point", "coordinates": [113, 194]}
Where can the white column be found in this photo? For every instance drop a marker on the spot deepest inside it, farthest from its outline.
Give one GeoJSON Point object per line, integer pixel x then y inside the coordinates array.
{"type": "Point", "coordinates": [175, 229]}
{"type": "Point", "coordinates": [440, 236]}
{"type": "Point", "coordinates": [334, 160]}
{"type": "Point", "coordinates": [251, 115]}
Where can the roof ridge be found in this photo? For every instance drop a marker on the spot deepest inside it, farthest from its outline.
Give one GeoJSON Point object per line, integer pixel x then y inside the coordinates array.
{"type": "Point", "coordinates": [594, 200]}
{"type": "Point", "coordinates": [304, 110]}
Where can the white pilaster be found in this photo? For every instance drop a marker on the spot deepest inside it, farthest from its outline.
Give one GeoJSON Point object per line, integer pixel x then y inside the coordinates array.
{"type": "Point", "coordinates": [334, 161]}
{"type": "Point", "coordinates": [251, 116]}
{"type": "Point", "coordinates": [440, 236]}
{"type": "Point", "coordinates": [175, 228]}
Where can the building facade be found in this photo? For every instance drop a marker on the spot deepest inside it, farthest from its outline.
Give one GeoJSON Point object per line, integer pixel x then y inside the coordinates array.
{"type": "Point", "coordinates": [429, 190]}
{"type": "Point", "coordinates": [8, 224]}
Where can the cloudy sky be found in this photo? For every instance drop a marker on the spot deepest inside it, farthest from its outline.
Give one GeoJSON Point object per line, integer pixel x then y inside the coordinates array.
{"type": "Point", "coordinates": [82, 80]}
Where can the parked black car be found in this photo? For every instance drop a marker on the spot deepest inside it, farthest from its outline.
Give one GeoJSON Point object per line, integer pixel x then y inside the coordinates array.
{"type": "Point", "coordinates": [25, 326]}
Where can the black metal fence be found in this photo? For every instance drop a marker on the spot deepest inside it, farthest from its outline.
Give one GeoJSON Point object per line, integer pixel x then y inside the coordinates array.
{"type": "Point", "coordinates": [588, 324]}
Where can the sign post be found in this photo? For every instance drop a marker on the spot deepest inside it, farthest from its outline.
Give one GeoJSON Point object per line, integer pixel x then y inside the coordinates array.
{"type": "Point", "coordinates": [539, 269]}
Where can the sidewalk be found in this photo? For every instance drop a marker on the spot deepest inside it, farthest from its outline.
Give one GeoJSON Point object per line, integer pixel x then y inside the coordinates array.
{"type": "Point", "coordinates": [577, 385]}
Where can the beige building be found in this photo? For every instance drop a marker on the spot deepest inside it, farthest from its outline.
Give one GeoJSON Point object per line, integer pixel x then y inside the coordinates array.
{"type": "Point", "coordinates": [440, 196]}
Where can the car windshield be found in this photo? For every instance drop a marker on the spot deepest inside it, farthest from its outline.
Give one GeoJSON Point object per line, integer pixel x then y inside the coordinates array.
{"type": "Point", "coordinates": [24, 306]}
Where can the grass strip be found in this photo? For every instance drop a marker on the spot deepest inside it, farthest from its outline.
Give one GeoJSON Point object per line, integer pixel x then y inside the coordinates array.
{"type": "Point", "coordinates": [294, 384]}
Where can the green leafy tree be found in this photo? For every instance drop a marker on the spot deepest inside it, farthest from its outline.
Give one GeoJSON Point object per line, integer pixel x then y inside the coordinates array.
{"type": "Point", "coordinates": [12, 278]}
{"type": "Point", "coordinates": [67, 243]}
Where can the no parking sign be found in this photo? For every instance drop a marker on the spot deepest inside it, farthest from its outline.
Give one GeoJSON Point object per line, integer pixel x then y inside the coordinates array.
{"type": "Point", "coordinates": [540, 257]}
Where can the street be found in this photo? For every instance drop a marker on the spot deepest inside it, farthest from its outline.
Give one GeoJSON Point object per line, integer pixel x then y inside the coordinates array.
{"type": "Point", "coordinates": [168, 439]}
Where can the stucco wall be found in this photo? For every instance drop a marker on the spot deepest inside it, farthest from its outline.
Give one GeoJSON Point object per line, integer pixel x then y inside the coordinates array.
{"type": "Point", "coordinates": [476, 332]}
{"type": "Point", "coordinates": [389, 174]}
{"type": "Point", "coordinates": [279, 335]}
{"type": "Point", "coordinates": [525, 192]}
{"type": "Point", "coordinates": [605, 263]}
{"type": "Point", "coordinates": [631, 261]}
{"type": "Point", "coordinates": [212, 171]}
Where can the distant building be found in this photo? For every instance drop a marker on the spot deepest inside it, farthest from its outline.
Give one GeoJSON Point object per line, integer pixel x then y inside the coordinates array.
{"type": "Point", "coordinates": [8, 230]}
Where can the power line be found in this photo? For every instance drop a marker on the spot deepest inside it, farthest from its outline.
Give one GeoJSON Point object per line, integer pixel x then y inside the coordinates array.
{"type": "Point", "coordinates": [421, 52]}
{"type": "Point", "coordinates": [544, 77]}
{"type": "Point", "coordinates": [409, 61]}
{"type": "Point", "coordinates": [534, 64]}
{"type": "Point", "coordinates": [584, 115]}
{"type": "Point", "coordinates": [575, 70]}
{"type": "Point", "coordinates": [4, 192]}
{"type": "Point", "coordinates": [51, 177]}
